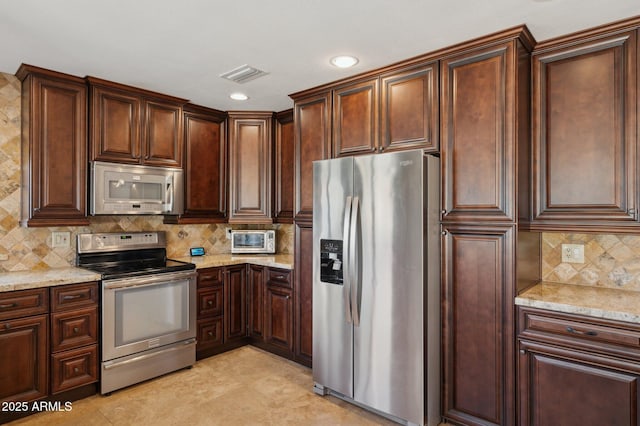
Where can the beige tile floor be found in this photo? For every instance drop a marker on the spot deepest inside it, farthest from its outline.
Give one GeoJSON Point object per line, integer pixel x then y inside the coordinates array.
{"type": "Point", "coordinates": [246, 386]}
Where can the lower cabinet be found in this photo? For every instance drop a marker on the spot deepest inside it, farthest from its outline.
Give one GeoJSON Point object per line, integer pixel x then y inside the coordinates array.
{"type": "Point", "coordinates": [235, 302]}
{"type": "Point", "coordinates": [575, 370]}
{"type": "Point", "coordinates": [278, 311]}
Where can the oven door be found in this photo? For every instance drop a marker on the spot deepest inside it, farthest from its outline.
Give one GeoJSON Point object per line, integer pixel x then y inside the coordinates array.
{"type": "Point", "coordinates": [147, 312]}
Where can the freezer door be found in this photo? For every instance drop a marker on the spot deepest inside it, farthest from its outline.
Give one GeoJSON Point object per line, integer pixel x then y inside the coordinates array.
{"type": "Point", "coordinates": [388, 342]}
{"type": "Point", "coordinates": [332, 329]}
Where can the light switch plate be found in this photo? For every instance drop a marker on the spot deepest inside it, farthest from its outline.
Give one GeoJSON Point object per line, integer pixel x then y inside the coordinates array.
{"type": "Point", "coordinates": [573, 253]}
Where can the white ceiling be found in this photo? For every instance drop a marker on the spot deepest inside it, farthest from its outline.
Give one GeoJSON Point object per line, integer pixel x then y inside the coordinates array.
{"type": "Point", "coordinates": [181, 47]}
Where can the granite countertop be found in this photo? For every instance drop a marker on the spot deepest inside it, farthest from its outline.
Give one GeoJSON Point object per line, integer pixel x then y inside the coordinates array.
{"type": "Point", "coordinates": [599, 302]}
{"type": "Point", "coordinates": [23, 280]}
{"type": "Point", "coordinates": [284, 261]}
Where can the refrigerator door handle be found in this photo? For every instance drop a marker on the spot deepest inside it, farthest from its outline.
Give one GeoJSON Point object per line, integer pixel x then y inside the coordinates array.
{"type": "Point", "coordinates": [354, 267]}
{"type": "Point", "coordinates": [346, 283]}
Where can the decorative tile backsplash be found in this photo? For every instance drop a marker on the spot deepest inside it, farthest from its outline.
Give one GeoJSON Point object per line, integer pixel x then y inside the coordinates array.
{"type": "Point", "coordinates": [609, 260]}
{"type": "Point", "coordinates": [30, 248]}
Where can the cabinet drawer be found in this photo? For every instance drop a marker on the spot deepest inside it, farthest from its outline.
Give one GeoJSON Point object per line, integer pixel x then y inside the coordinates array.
{"type": "Point", "coordinates": [579, 330]}
{"type": "Point", "coordinates": [74, 296]}
{"type": "Point", "coordinates": [73, 368]}
{"type": "Point", "coordinates": [22, 303]}
{"type": "Point", "coordinates": [209, 277]}
{"type": "Point", "coordinates": [209, 332]}
{"type": "Point", "coordinates": [279, 277]}
{"type": "Point", "coordinates": [210, 302]}
{"type": "Point", "coordinates": [74, 328]}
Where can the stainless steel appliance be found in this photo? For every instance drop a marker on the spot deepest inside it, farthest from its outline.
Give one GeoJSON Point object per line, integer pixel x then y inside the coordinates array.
{"type": "Point", "coordinates": [253, 241]}
{"type": "Point", "coordinates": [148, 306]}
{"type": "Point", "coordinates": [376, 290]}
{"type": "Point", "coordinates": [133, 189]}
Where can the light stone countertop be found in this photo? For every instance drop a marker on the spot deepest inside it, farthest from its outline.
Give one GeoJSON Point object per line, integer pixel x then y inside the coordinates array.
{"type": "Point", "coordinates": [23, 280]}
{"type": "Point", "coordinates": [599, 302]}
{"type": "Point", "coordinates": [284, 261]}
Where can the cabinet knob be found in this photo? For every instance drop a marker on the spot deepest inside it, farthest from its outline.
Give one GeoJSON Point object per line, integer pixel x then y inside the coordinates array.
{"type": "Point", "coordinates": [632, 211]}
{"type": "Point", "coordinates": [381, 149]}
{"type": "Point", "coordinates": [76, 369]}
{"type": "Point", "coordinates": [210, 333]}
{"type": "Point", "coordinates": [523, 352]}
{"type": "Point", "coordinates": [444, 233]}
{"type": "Point", "coordinates": [76, 329]}
{"type": "Point", "coordinates": [443, 212]}
{"type": "Point", "coordinates": [287, 297]}
{"type": "Point", "coordinates": [373, 149]}
{"type": "Point", "coordinates": [209, 302]}
{"type": "Point", "coordinates": [7, 326]}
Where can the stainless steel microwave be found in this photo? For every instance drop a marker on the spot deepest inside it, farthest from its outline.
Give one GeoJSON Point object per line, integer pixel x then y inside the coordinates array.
{"type": "Point", "coordinates": [125, 189]}
{"type": "Point", "coordinates": [253, 241]}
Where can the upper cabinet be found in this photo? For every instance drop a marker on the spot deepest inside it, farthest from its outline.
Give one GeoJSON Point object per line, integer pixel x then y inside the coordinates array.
{"type": "Point", "coordinates": [204, 166]}
{"type": "Point", "coordinates": [130, 125]}
{"type": "Point", "coordinates": [409, 109]}
{"type": "Point", "coordinates": [355, 118]}
{"type": "Point", "coordinates": [54, 155]}
{"type": "Point", "coordinates": [250, 167]}
{"type": "Point", "coordinates": [585, 134]}
{"type": "Point", "coordinates": [284, 147]}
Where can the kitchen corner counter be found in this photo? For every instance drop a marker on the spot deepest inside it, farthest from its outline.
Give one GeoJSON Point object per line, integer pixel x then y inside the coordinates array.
{"type": "Point", "coordinates": [599, 302]}
{"type": "Point", "coordinates": [284, 261]}
{"type": "Point", "coordinates": [23, 280]}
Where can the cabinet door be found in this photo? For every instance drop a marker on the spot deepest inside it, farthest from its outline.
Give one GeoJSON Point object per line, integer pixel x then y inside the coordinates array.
{"type": "Point", "coordinates": [478, 113]}
{"type": "Point", "coordinates": [205, 167]}
{"type": "Point", "coordinates": [585, 133]}
{"type": "Point", "coordinates": [303, 290]}
{"type": "Point", "coordinates": [23, 359]}
{"type": "Point", "coordinates": [409, 109]}
{"type": "Point", "coordinates": [478, 337]}
{"type": "Point", "coordinates": [115, 125]}
{"type": "Point", "coordinates": [279, 317]}
{"type": "Point", "coordinates": [250, 167]}
{"type": "Point", "coordinates": [284, 179]}
{"type": "Point", "coordinates": [256, 301]}
{"type": "Point", "coordinates": [312, 142]}
{"type": "Point", "coordinates": [355, 118]}
{"type": "Point", "coordinates": [572, 388]}
{"type": "Point", "coordinates": [54, 150]}
{"type": "Point", "coordinates": [162, 134]}
{"type": "Point", "coordinates": [235, 302]}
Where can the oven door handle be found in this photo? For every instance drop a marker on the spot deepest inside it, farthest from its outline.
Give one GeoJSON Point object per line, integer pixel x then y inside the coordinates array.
{"type": "Point", "coordinates": [147, 280]}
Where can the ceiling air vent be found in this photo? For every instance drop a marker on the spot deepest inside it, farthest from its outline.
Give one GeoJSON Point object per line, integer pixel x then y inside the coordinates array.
{"type": "Point", "coordinates": [243, 73]}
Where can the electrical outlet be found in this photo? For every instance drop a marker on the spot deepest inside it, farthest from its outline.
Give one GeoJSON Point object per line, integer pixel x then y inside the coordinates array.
{"type": "Point", "coordinates": [228, 231]}
{"type": "Point", "coordinates": [60, 239]}
{"type": "Point", "coordinates": [573, 253]}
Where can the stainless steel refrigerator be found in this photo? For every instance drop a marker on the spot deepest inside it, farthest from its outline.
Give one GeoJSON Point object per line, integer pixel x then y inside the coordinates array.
{"type": "Point", "coordinates": [376, 283]}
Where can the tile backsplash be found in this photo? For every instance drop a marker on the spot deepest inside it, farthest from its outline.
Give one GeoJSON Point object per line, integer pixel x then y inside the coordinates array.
{"type": "Point", "coordinates": [30, 248]}
{"type": "Point", "coordinates": [609, 260]}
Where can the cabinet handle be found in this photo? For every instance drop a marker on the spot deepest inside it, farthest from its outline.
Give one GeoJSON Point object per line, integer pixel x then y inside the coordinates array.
{"type": "Point", "coordinates": [586, 333]}
{"type": "Point", "coordinates": [279, 277]}
{"type": "Point", "coordinates": [8, 305]}
{"type": "Point", "coordinates": [71, 296]}
{"type": "Point", "coordinates": [76, 329]}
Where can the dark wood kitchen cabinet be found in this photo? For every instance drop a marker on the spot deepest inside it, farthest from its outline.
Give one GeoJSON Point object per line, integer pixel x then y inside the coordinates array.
{"type": "Point", "coordinates": [235, 303]}
{"type": "Point", "coordinates": [278, 311]}
{"type": "Point", "coordinates": [205, 175]}
{"type": "Point", "coordinates": [210, 311]}
{"type": "Point", "coordinates": [250, 167]}
{"type": "Point", "coordinates": [74, 336]}
{"type": "Point", "coordinates": [24, 330]}
{"type": "Point", "coordinates": [284, 169]}
{"type": "Point", "coordinates": [134, 126]}
{"type": "Point", "coordinates": [355, 118]}
{"type": "Point", "coordinates": [54, 153]}
{"type": "Point", "coordinates": [303, 293]}
{"type": "Point", "coordinates": [585, 134]}
{"type": "Point", "coordinates": [409, 109]}
{"type": "Point", "coordinates": [256, 283]}
{"type": "Point", "coordinates": [484, 132]}
{"type": "Point", "coordinates": [575, 370]}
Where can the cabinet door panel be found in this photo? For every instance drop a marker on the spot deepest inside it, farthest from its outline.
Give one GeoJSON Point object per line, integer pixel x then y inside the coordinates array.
{"type": "Point", "coordinates": [585, 109]}
{"type": "Point", "coordinates": [115, 127]}
{"type": "Point", "coordinates": [279, 316]}
{"type": "Point", "coordinates": [73, 368]}
{"type": "Point", "coordinates": [162, 134]}
{"type": "Point", "coordinates": [235, 298]}
{"type": "Point", "coordinates": [478, 319]}
{"type": "Point", "coordinates": [355, 118]}
{"type": "Point", "coordinates": [74, 328]}
{"type": "Point", "coordinates": [284, 161]}
{"type": "Point", "coordinates": [477, 140]}
{"type": "Point", "coordinates": [409, 111]}
{"type": "Point", "coordinates": [303, 278]}
{"type": "Point", "coordinates": [23, 359]}
{"type": "Point", "coordinates": [312, 142]}
{"type": "Point", "coordinates": [256, 294]}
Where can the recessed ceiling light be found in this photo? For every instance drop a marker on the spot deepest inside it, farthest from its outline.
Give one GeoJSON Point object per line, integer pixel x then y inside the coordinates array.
{"type": "Point", "coordinates": [238, 96]}
{"type": "Point", "coordinates": [344, 61]}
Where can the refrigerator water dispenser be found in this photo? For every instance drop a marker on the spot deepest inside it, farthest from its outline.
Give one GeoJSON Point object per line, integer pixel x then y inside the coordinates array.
{"type": "Point", "coordinates": [331, 261]}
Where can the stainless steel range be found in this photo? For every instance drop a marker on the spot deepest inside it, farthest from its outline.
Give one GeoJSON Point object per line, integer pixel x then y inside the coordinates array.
{"type": "Point", "coordinates": [148, 306]}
